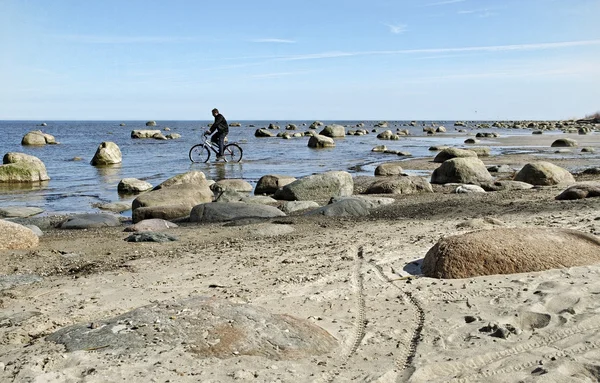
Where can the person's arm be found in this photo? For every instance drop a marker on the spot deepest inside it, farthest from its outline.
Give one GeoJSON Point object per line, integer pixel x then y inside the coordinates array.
{"type": "Point", "coordinates": [218, 120]}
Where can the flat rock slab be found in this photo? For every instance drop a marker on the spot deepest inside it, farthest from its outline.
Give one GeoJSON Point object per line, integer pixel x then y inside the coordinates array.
{"type": "Point", "coordinates": [205, 327]}
{"type": "Point", "coordinates": [149, 236]}
{"type": "Point", "coordinates": [228, 211]}
{"type": "Point", "coordinates": [13, 280]}
{"type": "Point", "coordinates": [348, 207]}
{"type": "Point", "coordinates": [19, 211]}
{"type": "Point", "coordinates": [88, 221]}
{"type": "Point", "coordinates": [152, 224]}
{"type": "Point", "coordinates": [509, 251]}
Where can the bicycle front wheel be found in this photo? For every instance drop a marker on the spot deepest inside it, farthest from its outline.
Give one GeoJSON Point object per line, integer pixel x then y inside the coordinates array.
{"type": "Point", "coordinates": [199, 153]}
{"type": "Point", "coordinates": [233, 153]}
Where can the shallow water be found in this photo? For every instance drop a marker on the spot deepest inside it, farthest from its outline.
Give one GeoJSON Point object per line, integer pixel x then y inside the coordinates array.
{"type": "Point", "coordinates": [75, 186]}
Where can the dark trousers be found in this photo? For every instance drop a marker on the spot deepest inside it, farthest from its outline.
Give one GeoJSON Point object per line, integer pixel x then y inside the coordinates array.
{"type": "Point", "coordinates": [219, 138]}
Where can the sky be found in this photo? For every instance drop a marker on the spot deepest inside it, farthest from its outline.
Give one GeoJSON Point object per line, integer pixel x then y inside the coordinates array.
{"type": "Point", "coordinates": [299, 60]}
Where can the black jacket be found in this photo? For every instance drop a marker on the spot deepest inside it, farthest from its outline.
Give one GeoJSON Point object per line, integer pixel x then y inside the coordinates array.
{"type": "Point", "coordinates": [220, 124]}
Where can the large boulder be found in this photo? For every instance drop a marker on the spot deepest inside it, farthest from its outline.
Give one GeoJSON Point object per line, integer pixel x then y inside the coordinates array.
{"type": "Point", "coordinates": [544, 173]}
{"type": "Point", "coordinates": [400, 185]}
{"type": "Point", "coordinates": [318, 187]}
{"type": "Point", "coordinates": [15, 236]}
{"type": "Point", "coordinates": [20, 167]}
{"type": "Point", "coordinates": [108, 153]}
{"type": "Point", "coordinates": [450, 153]}
{"type": "Point", "coordinates": [133, 186]}
{"type": "Point", "coordinates": [580, 191]}
{"type": "Point", "coordinates": [467, 170]}
{"type": "Point", "coordinates": [389, 169]}
{"type": "Point", "coordinates": [37, 137]}
{"type": "Point", "coordinates": [290, 207]}
{"type": "Point", "coordinates": [171, 202]}
{"type": "Point", "coordinates": [89, 221]}
{"type": "Point", "coordinates": [508, 251]}
{"type": "Point", "coordinates": [270, 183]}
{"type": "Point", "coordinates": [333, 131]}
{"type": "Point", "coordinates": [228, 211]}
{"type": "Point", "coordinates": [151, 123]}
{"type": "Point", "coordinates": [209, 327]}
{"type": "Point", "coordinates": [319, 141]}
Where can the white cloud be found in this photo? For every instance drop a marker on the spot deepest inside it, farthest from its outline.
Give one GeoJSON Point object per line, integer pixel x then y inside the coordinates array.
{"type": "Point", "coordinates": [280, 41]}
{"type": "Point", "coordinates": [397, 28]}
{"type": "Point", "coordinates": [490, 48]}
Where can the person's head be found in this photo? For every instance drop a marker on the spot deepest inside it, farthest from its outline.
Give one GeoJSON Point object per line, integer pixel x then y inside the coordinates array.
{"type": "Point", "coordinates": [215, 112]}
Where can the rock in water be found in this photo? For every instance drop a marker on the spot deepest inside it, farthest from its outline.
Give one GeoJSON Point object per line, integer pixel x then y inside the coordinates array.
{"type": "Point", "coordinates": [509, 251]}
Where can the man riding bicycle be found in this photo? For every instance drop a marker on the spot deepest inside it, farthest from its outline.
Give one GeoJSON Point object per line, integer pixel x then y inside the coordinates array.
{"type": "Point", "coordinates": [222, 129]}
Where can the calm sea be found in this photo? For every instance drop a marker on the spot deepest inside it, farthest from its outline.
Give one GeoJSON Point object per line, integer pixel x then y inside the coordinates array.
{"type": "Point", "coordinates": [76, 186]}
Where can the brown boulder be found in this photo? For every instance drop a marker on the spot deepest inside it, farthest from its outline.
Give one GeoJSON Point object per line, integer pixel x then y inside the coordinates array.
{"type": "Point", "coordinates": [509, 251]}
{"type": "Point", "coordinates": [580, 191]}
{"type": "Point", "coordinates": [15, 236]}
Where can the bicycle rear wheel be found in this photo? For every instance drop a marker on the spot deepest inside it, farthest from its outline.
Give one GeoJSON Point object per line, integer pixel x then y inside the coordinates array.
{"type": "Point", "coordinates": [233, 153]}
{"type": "Point", "coordinates": [199, 153]}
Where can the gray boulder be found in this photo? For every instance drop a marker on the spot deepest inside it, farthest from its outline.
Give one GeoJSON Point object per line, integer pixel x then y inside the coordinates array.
{"type": "Point", "coordinates": [333, 131]}
{"type": "Point", "coordinates": [166, 212]}
{"type": "Point", "coordinates": [371, 201]}
{"type": "Point", "coordinates": [580, 191]}
{"type": "Point", "coordinates": [228, 211]}
{"type": "Point", "coordinates": [319, 141]}
{"type": "Point", "coordinates": [347, 207]}
{"type": "Point", "coordinates": [88, 221]}
{"type": "Point", "coordinates": [259, 199]}
{"type": "Point", "coordinates": [389, 169]}
{"type": "Point", "coordinates": [315, 125]}
{"type": "Point", "coordinates": [509, 251]}
{"type": "Point", "coordinates": [544, 173]}
{"type": "Point", "coordinates": [151, 123]}
{"type": "Point", "coordinates": [468, 170]}
{"type": "Point", "coordinates": [17, 237]}
{"type": "Point", "coordinates": [400, 185]}
{"type": "Point", "coordinates": [481, 151]}
{"type": "Point", "coordinates": [270, 183]}
{"type": "Point", "coordinates": [318, 187]}
{"type": "Point", "coordinates": [450, 153]}
{"type": "Point", "coordinates": [20, 167]}
{"type": "Point", "coordinates": [564, 142]}
{"type": "Point", "coordinates": [133, 186]}
{"type": "Point", "coordinates": [210, 327]}
{"type": "Point", "coordinates": [108, 153]}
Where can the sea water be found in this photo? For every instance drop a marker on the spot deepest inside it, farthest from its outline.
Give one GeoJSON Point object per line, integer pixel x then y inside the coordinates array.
{"type": "Point", "coordinates": [77, 186]}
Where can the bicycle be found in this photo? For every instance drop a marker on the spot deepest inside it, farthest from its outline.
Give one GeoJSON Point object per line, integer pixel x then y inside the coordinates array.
{"type": "Point", "coordinates": [201, 152]}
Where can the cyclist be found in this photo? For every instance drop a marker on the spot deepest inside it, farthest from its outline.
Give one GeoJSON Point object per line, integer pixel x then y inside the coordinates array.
{"type": "Point", "coordinates": [221, 128]}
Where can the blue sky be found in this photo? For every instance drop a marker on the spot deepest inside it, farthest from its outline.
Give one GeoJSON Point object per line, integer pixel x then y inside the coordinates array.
{"type": "Point", "coordinates": [309, 59]}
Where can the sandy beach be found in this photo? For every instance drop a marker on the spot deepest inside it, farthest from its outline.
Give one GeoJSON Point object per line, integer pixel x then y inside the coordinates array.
{"type": "Point", "coordinates": [358, 278]}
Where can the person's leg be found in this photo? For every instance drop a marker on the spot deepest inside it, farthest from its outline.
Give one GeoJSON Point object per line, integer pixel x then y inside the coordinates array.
{"type": "Point", "coordinates": [221, 144]}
